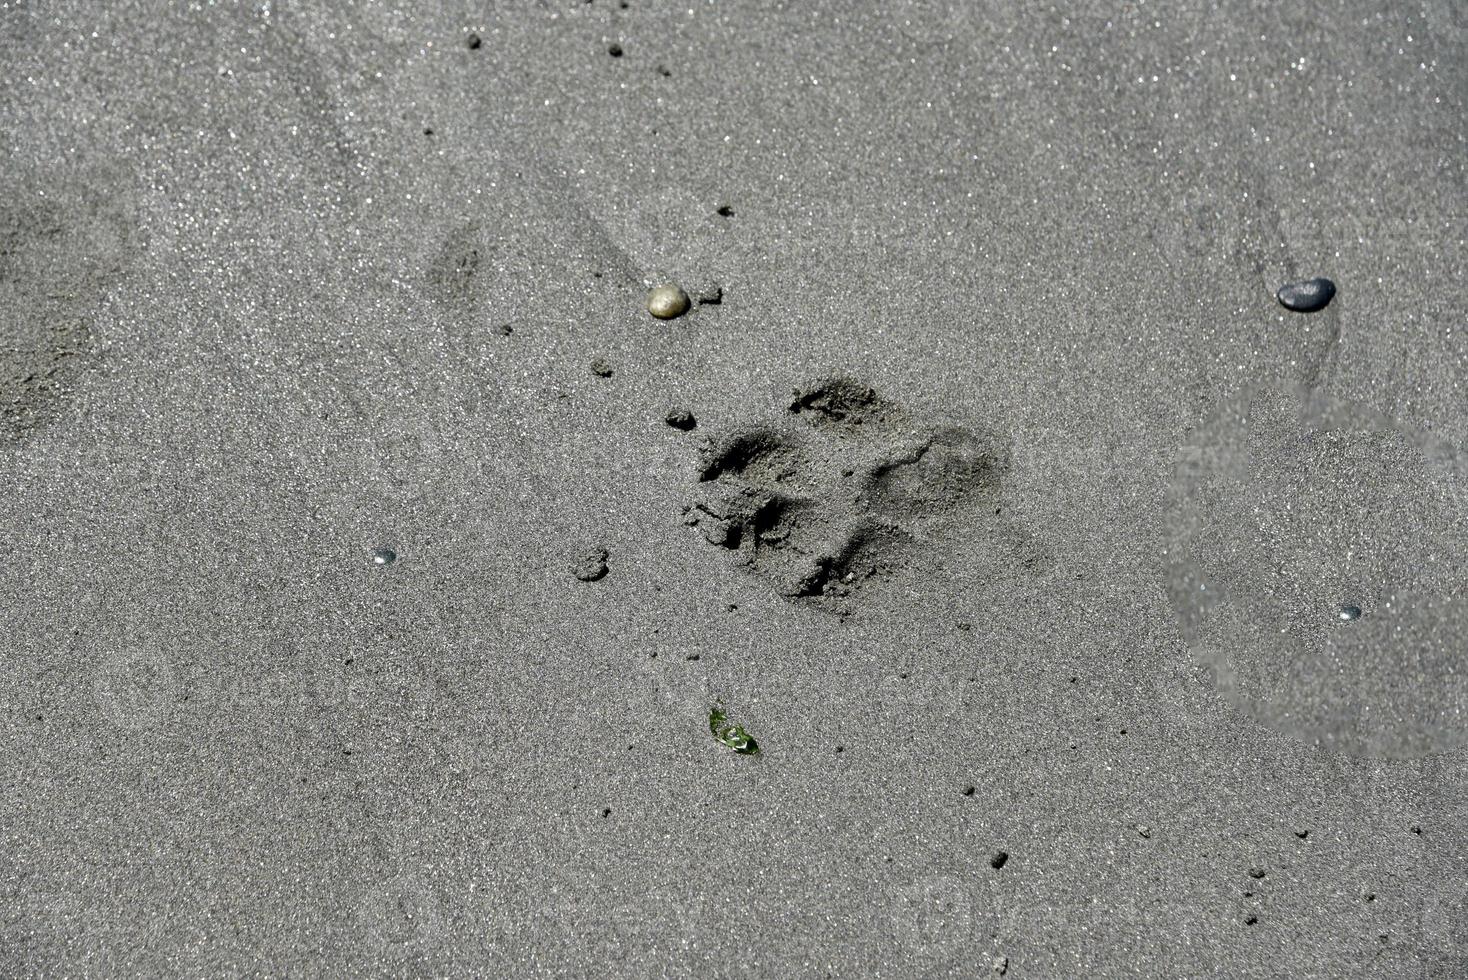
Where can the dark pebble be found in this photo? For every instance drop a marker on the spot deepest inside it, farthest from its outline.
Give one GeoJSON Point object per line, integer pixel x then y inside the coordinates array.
{"type": "Point", "coordinates": [999, 860]}
{"type": "Point", "coordinates": [592, 566]}
{"type": "Point", "coordinates": [601, 367]}
{"type": "Point", "coordinates": [680, 418]}
{"type": "Point", "coordinates": [1307, 296]}
{"type": "Point", "coordinates": [1256, 873]}
{"type": "Point", "coordinates": [615, 50]}
{"type": "Point", "coordinates": [970, 790]}
{"type": "Point", "coordinates": [473, 41]}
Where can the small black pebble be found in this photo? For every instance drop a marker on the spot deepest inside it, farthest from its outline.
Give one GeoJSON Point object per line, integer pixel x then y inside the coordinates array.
{"type": "Point", "coordinates": [615, 50]}
{"type": "Point", "coordinates": [1308, 296]}
{"type": "Point", "coordinates": [1251, 920]}
{"type": "Point", "coordinates": [711, 297]}
{"type": "Point", "coordinates": [473, 41]}
{"type": "Point", "coordinates": [1417, 830]}
{"type": "Point", "coordinates": [427, 130]}
{"type": "Point", "coordinates": [664, 72]}
{"type": "Point", "coordinates": [1370, 896]}
{"type": "Point", "coordinates": [970, 790]}
{"type": "Point", "coordinates": [1256, 873]}
{"type": "Point", "coordinates": [694, 656]}
{"type": "Point", "coordinates": [725, 211]}
{"type": "Point", "coordinates": [1302, 834]}
{"type": "Point", "coordinates": [998, 860]}
{"type": "Point", "coordinates": [504, 329]}
{"type": "Point", "coordinates": [606, 812]}
{"type": "Point", "coordinates": [840, 749]}
{"type": "Point", "coordinates": [680, 418]}
{"type": "Point", "coordinates": [601, 367]}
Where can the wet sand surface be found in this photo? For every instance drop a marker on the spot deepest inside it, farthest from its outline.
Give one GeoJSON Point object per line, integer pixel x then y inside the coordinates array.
{"type": "Point", "coordinates": [373, 560]}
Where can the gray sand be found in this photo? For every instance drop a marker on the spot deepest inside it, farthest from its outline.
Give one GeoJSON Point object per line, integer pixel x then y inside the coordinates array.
{"type": "Point", "coordinates": [282, 283]}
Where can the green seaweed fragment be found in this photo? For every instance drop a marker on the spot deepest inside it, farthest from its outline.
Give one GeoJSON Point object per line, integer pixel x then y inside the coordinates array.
{"type": "Point", "coordinates": [731, 735]}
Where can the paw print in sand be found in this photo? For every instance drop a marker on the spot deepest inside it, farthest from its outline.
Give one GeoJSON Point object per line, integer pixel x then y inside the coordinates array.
{"type": "Point", "coordinates": [844, 491]}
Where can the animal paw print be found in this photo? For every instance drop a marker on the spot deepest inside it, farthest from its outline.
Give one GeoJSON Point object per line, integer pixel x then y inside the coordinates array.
{"type": "Point", "coordinates": [842, 492]}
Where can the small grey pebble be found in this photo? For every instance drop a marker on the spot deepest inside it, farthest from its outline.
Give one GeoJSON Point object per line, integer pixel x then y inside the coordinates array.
{"type": "Point", "coordinates": [601, 367]}
{"type": "Point", "coordinates": [667, 302]}
{"type": "Point", "coordinates": [1256, 873]}
{"type": "Point", "coordinates": [681, 419]}
{"type": "Point", "coordinates": [592, 565]}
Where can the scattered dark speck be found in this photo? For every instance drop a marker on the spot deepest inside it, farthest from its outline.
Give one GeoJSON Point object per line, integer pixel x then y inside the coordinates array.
{"type": "Point", "coordinates": [427, 130]}
{"type": "Point", "coordinates": [725, 211]}
{"type": "Point", "coordinates": [592, 566]}
{"type": "Point", "coordinates": [840, 749]}
{"type": "Point", "coordinates": [1256, 872]}
{"type": "Point", "coordinates": [601, 367]}
{"type": "Point", "coordinates": [1370, 896]}
{"type": "Point", "coordinates": [606, 812]}
{"type": "Point", "coordinates": [474, 41]}
{"type": "Point", "coordinates": [694, 656]}
{"type": "Point", "coordinates": [970, 790]}
{"type": "Point", "coordinates": [680, 418]}
{"type": "Point", "coordinates": [664, 72]}
{"type": "Point", "coordinates": [1308, 296]}
{"type": "Point", "coordinates": [504, 329]}
{"type": "Point", "coordinates": [615, 50]}
{"type": "Point", "coordinates": [1417, 830]}
{"type": "Point", "coordinates": [1302, 834]}
{"type": "Point", "coordinates": [1251, 920]}
{"type": "Point", "coordinates": [999, 860]}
